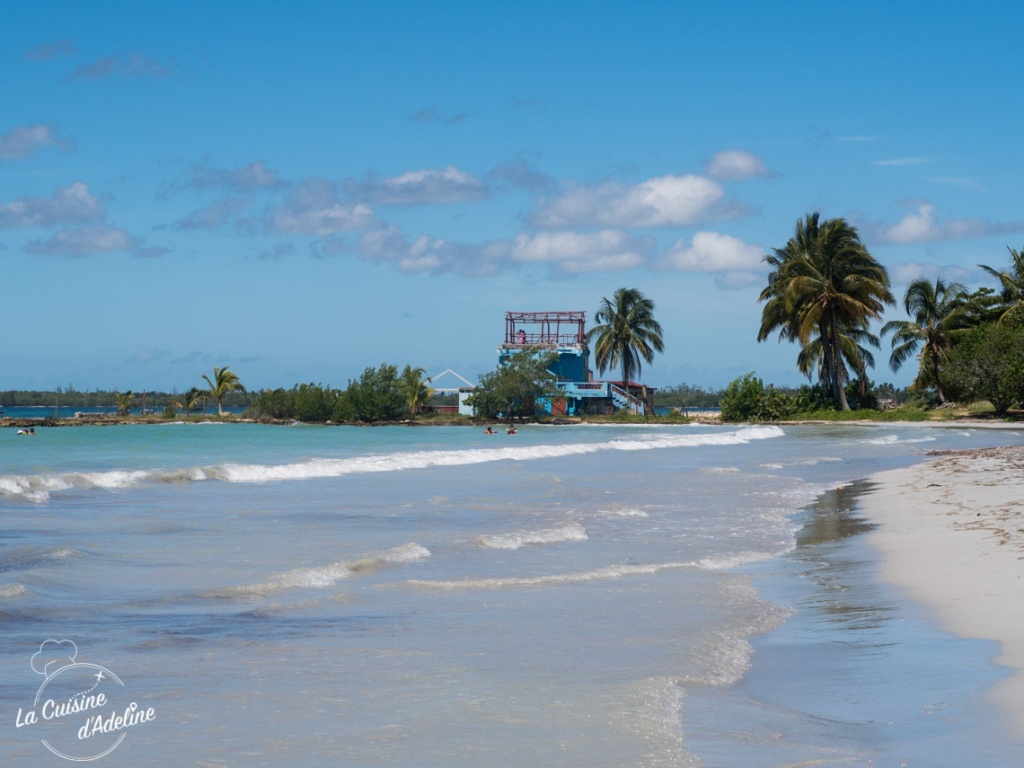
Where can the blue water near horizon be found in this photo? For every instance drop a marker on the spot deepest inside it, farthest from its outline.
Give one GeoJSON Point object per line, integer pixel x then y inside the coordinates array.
{"type": "Point", "coordinates": [594, 595]}
{"type": "Point", "coordinates": [69, 412]}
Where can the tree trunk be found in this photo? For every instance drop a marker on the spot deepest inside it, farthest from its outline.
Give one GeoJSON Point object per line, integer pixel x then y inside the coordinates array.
{"type": "Point", "coordinates": [832, 345]}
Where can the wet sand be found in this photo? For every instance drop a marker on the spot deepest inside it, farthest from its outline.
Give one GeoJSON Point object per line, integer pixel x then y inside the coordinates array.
{"type": "Point", "coordinates": [950, 533]}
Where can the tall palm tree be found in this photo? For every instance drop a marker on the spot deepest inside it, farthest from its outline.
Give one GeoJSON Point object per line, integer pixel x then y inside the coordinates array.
{"type": "Point", "coordinates": [823, 282]}
{"type": "Point", "coordinates": [1011, 285]}
{"type": "Point", "coordinates": [224, 381]}
{"type": "Point", "coordinates": [939, 311]}
{"type": "Point", "coordinates": [626, 332]}
{"type": "Point", "coordinates": [414, 386]}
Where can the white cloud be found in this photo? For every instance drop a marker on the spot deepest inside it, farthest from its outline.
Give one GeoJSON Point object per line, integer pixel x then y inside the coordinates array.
{"type": "Point", "coordinates": [133, 64]}
{"type": "Point", "coordinates": [522, 175]}
{"type": "Point", "coordinates": [49, 51]}
{"type": "Point", "coordinates": [920, 226]}
{"type": "Point", "coordinates": [275, 252]}
{"type": "Point", "coordinates": [909, 271]}
{"type": "Point", "coordinates": [427, 254]}
{"type": "Point", "coordinates": [313, 208]}
{"type": "Point", "coordinates": [735, 164]}
{"type": "Point", "coordinates": [83, 241]}
{"type": "Point", "coordinates": [562, 252]}
{"type": "Point", "coordinates": [420, 187]}
{"type": "Point", "coordinates": [666, 201]}
{"type": "Point", "coordinates": [433, 115]}
{"type": "Point", "coordinates": [609, 250]}
{"type": "Point", "coordinates": [714, 252]}
{"type": "Point", "coordinates": [73, 204]}
{"type": "Point", "coordinates": [244, 180]}
{"type": "Point", "coordinates": [23, 141]}
{"type": "Point", "coordinates": [901, 162]}
{"type": "Point", "coordinates": [214, 215]}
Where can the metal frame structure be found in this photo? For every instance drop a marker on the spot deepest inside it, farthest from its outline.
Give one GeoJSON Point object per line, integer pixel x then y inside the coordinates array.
{"type": "Point", "coordinates": [548, 329]}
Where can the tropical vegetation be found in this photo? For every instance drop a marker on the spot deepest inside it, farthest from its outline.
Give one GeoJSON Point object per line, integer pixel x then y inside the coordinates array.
{"type": "Point", "coordinates": [1011, 286]}
{"type": "Point", "coordinates": [626, 333]}
{"type": "Point", "coordinates": [188, 402]}
{"type": "Point", "coordinates": [988, 364]}
{"type": "Point", "coordinates": [748, 399]}
{"type": "Point", "coordinates": [823, 290]}
{"type": "Point", "coordinates": [511, 390]}
{"type": "Point", "coordinates": [224, 381]}
{"type": "Point", "coordinates": [124, 402]}
{"type": "Point", "coordinates": [415, 387]}
{"type": "Point", "coordinates": [940, 311]}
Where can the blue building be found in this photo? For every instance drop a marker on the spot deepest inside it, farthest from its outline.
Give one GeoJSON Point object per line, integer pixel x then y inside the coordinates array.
{"type": "Point", "coordinates": [564, 334]}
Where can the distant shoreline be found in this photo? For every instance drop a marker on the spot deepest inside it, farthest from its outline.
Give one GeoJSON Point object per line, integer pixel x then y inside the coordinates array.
{"type": "Point", "coordinates": [707, 418]}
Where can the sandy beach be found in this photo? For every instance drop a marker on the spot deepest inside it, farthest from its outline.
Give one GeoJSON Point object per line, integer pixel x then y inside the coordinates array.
{"type": "Point", "coordinates": [951, 534]}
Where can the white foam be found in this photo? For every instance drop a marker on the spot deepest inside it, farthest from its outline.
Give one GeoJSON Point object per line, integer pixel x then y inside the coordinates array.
{"type": "Point", "coordinates": [626, 512]}
{"type": "Point", "coordinates": [802, 462]}
{"type": "Point", "coordinates": [37, 487]}
{"type": "Point", "coordinates": [577, 577]}
{"type": "Point", "coordinates": [325, 576]}
{"type": "Point", "coordinates": [895, 440]}
{"type": "Point", "coordinates": [570, 532]}
{"type": "Point", "coordinates": [8, 591]}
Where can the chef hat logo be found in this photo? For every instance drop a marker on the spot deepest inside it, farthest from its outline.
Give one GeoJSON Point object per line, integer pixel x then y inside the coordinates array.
{"type": "Point", "coordinates": [54, 655]}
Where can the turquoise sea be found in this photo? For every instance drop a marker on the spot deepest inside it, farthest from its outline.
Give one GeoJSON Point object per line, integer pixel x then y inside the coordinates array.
{"type": "Point", "coordinates": [250, 595]}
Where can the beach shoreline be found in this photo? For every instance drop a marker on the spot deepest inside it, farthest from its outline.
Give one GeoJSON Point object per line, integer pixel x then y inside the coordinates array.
{"type": "Point", "coordinates": [950, 535]}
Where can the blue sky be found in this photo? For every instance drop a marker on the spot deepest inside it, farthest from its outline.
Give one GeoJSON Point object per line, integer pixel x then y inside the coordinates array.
{"type": "Point", "coordinates": [302, 190]}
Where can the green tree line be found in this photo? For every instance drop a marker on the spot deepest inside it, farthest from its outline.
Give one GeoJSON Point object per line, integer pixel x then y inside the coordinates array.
{"type": "Point", "coordinates": [379, 394]}
{"type": "Point", "coordinates": [824, 289]}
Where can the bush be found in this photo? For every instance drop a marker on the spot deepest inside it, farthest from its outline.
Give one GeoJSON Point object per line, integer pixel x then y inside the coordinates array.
{"type": "Point", "coordinates": [810, 399]}
{"type": "Point", "coordinates": [988, 364]}
{"type": "Point", "coordinates": [747, 399]}
{"type": "Point", "coordinates": [858, 399]}
{"type": "Point", "coordinates": [513, 387]}
{"type": "Point", "coordinates": [273, 404]}
{"type": "Point", "coordinates": [376, 396]}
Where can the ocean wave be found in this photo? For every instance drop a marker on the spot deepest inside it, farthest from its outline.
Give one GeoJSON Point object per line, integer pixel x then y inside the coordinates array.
{"type": "Point", "coordinates": [895, 440]}
{"type": "Point", "coordinates": [515, 540]}
{"type": "Point", "coordinates": [597, 574]}
{"type": "Point", "coordinates": [811, 462]}
{"type": "Point", "coordinates": [37, 488]}
{"type": "Point", "coordinates": [25, 558]}
{"type": "Point", "coordinates": [7, 591]}
{"type": "Point", "coordinates": [324, 576]}
{"type": "Point", "coordinates": [624, 512]}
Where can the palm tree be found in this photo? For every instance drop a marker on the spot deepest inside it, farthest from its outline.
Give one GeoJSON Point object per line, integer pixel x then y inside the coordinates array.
{"type": "Point", "coordinates": [938, 312]}
{"type": "Point", "coordinates": [224, 381]}
{"type": "Point", "coordinates": [854, 355]}
{"type": "Point", "coordinates": [124, 402]}
{"type": "Point", "coordinates": [823, 281]}
{"type": "Point", "coordinates": [189, 401]}
{"type": "Point", "coordinates": [1011, 283]}
{"type": "Point", "coordinates": [414, 385]}
{"type": "Point", "coordinates": [626, 333]}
